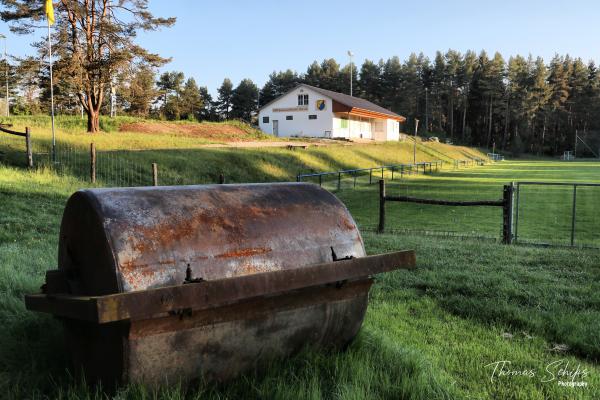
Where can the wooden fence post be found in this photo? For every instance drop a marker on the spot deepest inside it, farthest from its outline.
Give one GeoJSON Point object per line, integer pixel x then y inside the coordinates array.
{"type": "Point", "coordinates": [221, 179]}
{"type": "Point", "coordinates": [28, 148]}
{"type": "Point", "coordinates": [381, 226]}
{"type": "Point", "coordinates": [154, 174]}
{"type": "Point", "coordinates": [507, 213]}
{"type": "Point", "coordinates": [92, 162]}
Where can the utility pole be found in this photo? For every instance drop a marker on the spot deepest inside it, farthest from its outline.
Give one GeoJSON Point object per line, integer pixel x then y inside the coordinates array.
{"type": "Point", "coordinates": [350, 54]}
{"type": "Point", "coordinates": [426, 109]}
{"type": "Point", "coordinates": [415, 145]}
{"type": "Point", "coordinates": [6, 62]}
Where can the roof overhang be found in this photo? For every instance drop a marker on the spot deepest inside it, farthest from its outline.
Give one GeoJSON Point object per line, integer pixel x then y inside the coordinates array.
{"type": "Point", "coordinates": [360, 112]}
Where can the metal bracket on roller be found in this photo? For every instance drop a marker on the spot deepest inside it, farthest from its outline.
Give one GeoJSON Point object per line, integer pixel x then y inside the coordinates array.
{"type": "Point", "coordinates": [211, 294]}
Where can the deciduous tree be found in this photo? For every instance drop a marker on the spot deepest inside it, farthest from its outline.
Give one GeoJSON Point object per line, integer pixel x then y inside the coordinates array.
{"type": "Point", "coordinates": [94, 39]}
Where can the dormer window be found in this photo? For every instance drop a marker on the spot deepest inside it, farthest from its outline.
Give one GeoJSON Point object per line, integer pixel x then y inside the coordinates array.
{"type": "Point", "coordinates": [302, 99]}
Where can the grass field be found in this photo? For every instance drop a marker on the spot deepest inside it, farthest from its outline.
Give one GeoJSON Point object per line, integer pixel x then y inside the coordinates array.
{"type": "Point", "coordinates": [545, 212]}
{"type": "Point", "coordinates": [124, 158]}
{"type": "Point", "coordinates": [432, 333]}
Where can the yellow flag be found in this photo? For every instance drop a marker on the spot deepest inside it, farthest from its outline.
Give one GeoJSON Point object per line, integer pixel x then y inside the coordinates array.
{"type": "Point", "coordinates": [50, 12]}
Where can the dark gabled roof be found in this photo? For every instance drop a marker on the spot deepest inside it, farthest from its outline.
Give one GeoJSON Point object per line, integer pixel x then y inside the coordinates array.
{"type": "Point", "coordinates": [353, 102]}
{"type": "Point", "coordinates": [347, 100]}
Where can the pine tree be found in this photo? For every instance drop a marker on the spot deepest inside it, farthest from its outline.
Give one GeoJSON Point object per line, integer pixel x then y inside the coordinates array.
{"type": "Point", "coordinates": [391, 79]}
{"type": "Point", "coordinates": [559, 93]}
{"type": "Point", "coordinates": [224, 100]}
{"type": "Point", "coordinates": [169, 85]}
{"type": "Point", "coordinates": [369, 85]}
{"type": "Point", "coordinates": [244, 100]}
{"type": "Point", "coordinates": [140, 91]}
{"type": "Point", "coordinates": [313, 74]}
{"type": "Point", "coordinates": [191, 100]}
{"type": "Point", "coordinates": [453, 67]}
{"type": "Point", "coordinates": [208, 110]}
{"type": "Point", "coordinates": [278, 84]}
{"type": "Point", "coordinates": [466, 73]}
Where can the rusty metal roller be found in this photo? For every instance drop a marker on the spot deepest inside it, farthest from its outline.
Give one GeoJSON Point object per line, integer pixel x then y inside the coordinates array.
{"type": "Point", "coordinates": [166, 284]}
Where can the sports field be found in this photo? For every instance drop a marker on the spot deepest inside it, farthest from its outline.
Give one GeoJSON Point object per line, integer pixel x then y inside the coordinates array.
{"type": "Point", "coordinates": [432, 333]}
{"type": "Point", "coordinates": [545, 213]}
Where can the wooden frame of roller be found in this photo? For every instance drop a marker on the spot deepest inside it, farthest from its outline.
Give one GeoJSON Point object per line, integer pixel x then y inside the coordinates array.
{"type": "Point", "coordinates": [211, 294]}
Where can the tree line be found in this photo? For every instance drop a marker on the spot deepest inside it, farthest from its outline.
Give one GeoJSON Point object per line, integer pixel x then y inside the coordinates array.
{"type": "Point", "coordinates": [521, 104]}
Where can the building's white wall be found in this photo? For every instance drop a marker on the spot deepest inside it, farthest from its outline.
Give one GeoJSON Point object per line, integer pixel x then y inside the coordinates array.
{"type": "Point", "coordinates": [379, 128]}
{"type": "Point", "coordinates": [300, 125]}
{"type": "Point", "coordinates": [393, 130]}
{"type": "Point", "coordinates": [357, 127]}
{"type": "Point", "coordinates": [326, 125]}
{"type": "Point", "coordinates": [338, 131]}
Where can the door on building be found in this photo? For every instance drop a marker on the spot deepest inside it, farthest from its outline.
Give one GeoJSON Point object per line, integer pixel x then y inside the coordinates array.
{"type": "Point", "coordinates": [275, 127]}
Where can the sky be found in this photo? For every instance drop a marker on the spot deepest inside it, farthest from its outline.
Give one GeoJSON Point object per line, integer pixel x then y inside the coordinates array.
{"type": "Point", "coordinates": [250, 39]}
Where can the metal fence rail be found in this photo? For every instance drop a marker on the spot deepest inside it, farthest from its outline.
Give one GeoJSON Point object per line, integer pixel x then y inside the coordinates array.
{"type": "Point", "coordinates": [409, 169]}
{"type": "Point", "coordinates": [469, 163]}
{"type": "Point", "coordinates": [553, 210]}
{"type": "Point", "coordinates": [506, 203]}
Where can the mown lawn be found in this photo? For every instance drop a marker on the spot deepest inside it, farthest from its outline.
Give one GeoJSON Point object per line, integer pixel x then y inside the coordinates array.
{"type": "Point", "coordinates": [432, 333]}
{"type": "Point", "coordinates": [545, 212]}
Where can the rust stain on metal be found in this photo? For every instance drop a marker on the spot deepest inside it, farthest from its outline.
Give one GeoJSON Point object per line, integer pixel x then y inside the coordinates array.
{"type": "Point", "coordinates": [244, 252]}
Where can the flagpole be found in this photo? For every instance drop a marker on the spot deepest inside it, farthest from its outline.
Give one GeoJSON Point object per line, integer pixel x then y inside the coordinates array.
{"type": "Point", "coordinates": [51, 94]}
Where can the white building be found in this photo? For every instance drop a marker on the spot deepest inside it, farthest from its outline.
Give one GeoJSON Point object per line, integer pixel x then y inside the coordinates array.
{"type": "Point", "coordinates": [313, 112]}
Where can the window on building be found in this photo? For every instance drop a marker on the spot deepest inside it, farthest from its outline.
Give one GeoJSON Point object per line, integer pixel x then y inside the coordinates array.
{"type": "Point", "coordinates": [302, 99]}
{"type": "Point", "coordinates": [265, 120]}
{"type": "Point", "coordinates": [343, 123]}
{"type": "Point", "coordinates": [289, 117]}
{"type": "Point", "coordinates": [312, 116]}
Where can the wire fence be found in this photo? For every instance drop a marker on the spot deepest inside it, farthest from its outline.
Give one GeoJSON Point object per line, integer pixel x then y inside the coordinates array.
{"type": "Point", "coordinates": [564, 214]}
{"type": "Point", "coordinates": [557, 213]}
{"type": "Point", "coordinates": [424, 219]}
{"type": "Point", "coordinates": [114, 168]}
{"type": "Point", "coordinates": [337, 180]}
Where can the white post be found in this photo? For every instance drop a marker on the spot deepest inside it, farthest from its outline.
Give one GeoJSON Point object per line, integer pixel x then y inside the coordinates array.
{"type": "Point", "coordinates": [51, 94]}
{"type": "Point", "coordinates": [113, 111]}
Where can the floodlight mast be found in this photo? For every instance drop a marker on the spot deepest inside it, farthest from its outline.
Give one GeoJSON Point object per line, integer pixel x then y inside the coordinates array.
{"type": "Point", "coordinates": [351, 54]}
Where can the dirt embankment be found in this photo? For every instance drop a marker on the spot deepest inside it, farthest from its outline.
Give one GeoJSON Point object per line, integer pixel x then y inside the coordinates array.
{"type": "Point", "coordinates": [212, 131]}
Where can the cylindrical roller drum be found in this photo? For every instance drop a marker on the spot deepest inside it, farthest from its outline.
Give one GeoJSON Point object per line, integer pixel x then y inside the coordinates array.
{"type": "Point", "coordinates": [134, 239]}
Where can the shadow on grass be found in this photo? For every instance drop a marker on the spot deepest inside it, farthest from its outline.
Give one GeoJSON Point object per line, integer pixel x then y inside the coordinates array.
{"type": "Point", "coordinates": [371, 367]}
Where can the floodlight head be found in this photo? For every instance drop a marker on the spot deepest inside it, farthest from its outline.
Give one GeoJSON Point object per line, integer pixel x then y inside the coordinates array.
{"type": "Point", "coordinates": [2, 36]}
{"type": "Point", "coordinates": [350, 53]}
